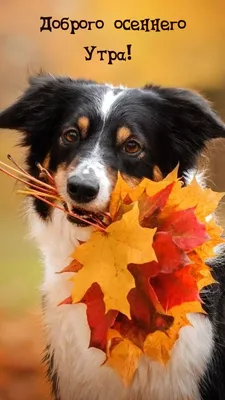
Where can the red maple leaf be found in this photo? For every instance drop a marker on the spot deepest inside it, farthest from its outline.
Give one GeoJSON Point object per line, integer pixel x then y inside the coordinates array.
{"type": "Point", "coordinates": [150, 207]}
{"type": "Point", "coordinates": [173, 258]}
{"type": "Point", "coordinates": [98, 321]}
{"type": "Point", "coordinates": [146, 312]}
{"type": "Point", "coordinates": [186, 230]}
{"type": "Point", "coordinates": [175, 288]}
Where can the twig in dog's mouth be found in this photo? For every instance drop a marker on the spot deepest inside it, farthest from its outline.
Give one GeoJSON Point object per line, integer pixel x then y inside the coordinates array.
{"type": "Point", "coordinates": [47, 192]}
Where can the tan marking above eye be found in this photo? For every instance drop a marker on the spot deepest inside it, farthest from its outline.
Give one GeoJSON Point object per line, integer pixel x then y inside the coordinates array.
{"type": "Point", "coordinates": [157, 174]}
{"type": "Point", "coordinates": [122, 134]}
{"type": "Point", "coordinates": [83, 124]}
{"type": "Point", "coordinates": [112, 175]}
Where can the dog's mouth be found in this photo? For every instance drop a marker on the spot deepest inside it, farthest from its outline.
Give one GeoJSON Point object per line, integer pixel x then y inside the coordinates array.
{"type": "Point", "coordinates": [82, 217]}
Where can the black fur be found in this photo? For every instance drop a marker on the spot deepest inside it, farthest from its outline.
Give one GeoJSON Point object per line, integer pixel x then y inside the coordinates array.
{"type": "Point", "coordinates": [48, 359]}
{"type": "Point", "coordinates": [213, 383]}
{"type": "Point", "coordinates": [173, 125]}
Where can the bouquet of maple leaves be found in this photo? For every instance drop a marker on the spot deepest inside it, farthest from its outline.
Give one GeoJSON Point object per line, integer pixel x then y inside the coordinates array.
{"type": "Point", "coordinates": [142, 273]}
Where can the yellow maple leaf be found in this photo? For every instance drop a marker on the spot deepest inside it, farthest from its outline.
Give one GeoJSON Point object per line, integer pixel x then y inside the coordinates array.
{"type": "Point", "coordinates": [124, 357]}
{"type": "Point", "coordinates": [158, 345]}
{"type": "Point", "coordinates": [123, 189]}
{"type": "Point", "coordinates": [105, 257]}
{"type": "Point", "coordinates": [207, 249]}
{"type": "Point", "coordinates": [204, 200]}
{"type": "Point", "coordinates": [200, 271]}
{"type": "Point", "coordinates": [206, 279]}
{"type": "Point", "coordinates": [153, 187]}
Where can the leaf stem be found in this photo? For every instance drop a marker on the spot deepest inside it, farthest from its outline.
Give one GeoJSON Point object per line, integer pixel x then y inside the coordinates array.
{"type": "Point", "coordinates": [26, 176]}
{"type": "Point", "coordinates": [69, 213]}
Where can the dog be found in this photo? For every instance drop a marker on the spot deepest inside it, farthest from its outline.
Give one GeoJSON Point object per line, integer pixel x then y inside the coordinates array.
{"type": "Point", "coordinates": [84, 133]}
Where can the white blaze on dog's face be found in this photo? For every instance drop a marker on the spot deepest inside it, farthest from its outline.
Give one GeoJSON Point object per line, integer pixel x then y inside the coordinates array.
{"type": "Point", "coordinates": [85, 132]}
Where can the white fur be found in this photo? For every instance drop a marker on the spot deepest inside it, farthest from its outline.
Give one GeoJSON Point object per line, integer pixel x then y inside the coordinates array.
{"type": "Point", "coordinates": [109, 98]}
{"type": "Point", "coordinates": [107, 102]}
{"type": "Point", "coordinates": [81, 375]}
{"type": "Point", "coordinates": [198, 175]}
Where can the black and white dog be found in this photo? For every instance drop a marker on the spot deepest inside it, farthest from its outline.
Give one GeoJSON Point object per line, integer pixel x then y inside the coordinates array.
{"type": "Point", "coordinates": [84, 133]}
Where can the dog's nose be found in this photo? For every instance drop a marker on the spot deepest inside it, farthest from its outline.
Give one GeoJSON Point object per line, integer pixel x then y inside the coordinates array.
{"type": "Point", "coordinates": [82, 190]}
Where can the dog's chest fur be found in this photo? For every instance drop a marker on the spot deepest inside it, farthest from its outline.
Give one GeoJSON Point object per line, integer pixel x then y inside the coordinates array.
{"type": "Point", "coordinates": [78, 367]}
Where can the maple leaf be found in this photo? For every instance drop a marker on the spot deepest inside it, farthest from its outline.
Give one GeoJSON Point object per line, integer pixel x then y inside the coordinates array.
{"type": "Point", "coordinates": [174, 258]}
{"type": "Point", "coordinates": [152, 188]}
{"type": "Point", "coordinates": [175, 288]}
{"type": "Point", "coordinates": [120, 192]}
{"type": "Point", "coordinates": [105, 257]}
{"type": "Point", "coordinates": [206, 278]}
{"type": "Point", "coordinates": [200, 271]}
{"type": "Point", "coordinates": [207, 249]}
{"type": "Point", "coordinates": [122, 355]}
{"type": "Point", "coordinates": [123, 209]}
{"type": "Point", "coordinates": [146, 311]}
{"type": "Point", "coordinates": [150, 207]}
{"type": "Point", "coordinates": [158, 345]}
{"type": "Point", "coordinates": [98, 321]}
{"type": "Point", "coordinates": [186, 230]}
{"type": "Point", "coordinates": [124, 191]}
{"type": "Point", "coordinates": [68, 300]}
{"type": "Point", "coordinates": [204, 200]}
{"type": "Point", "coordinates": [74, 266]}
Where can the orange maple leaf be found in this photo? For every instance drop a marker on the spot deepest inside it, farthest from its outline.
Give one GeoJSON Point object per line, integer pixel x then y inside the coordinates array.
{"type": "Point", "coordinates": [200, 270]}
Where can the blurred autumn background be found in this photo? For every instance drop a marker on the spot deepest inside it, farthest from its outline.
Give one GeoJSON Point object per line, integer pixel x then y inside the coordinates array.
{"type": "Point", "coordinates": [193, 57]}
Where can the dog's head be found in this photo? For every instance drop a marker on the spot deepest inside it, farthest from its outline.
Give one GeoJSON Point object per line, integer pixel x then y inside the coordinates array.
{"type": "Point", "coordinates": [85, 132]}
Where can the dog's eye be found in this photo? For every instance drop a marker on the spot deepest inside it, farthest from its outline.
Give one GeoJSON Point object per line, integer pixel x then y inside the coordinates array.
{"type": "Point", "coordinates": [71, 136]}
{"type": "Point", "coordinates": [132, 147]}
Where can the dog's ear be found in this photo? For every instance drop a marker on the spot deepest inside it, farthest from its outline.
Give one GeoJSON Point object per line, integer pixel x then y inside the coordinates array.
{"type": "Point", "coordinates": [35, 108]}
{"type": "Point", "coordinates": [37, 113]}
{"type": "Point", "coordinates": [187, 122]}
